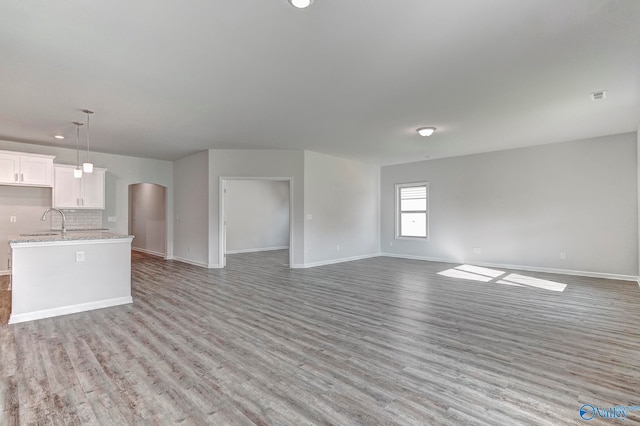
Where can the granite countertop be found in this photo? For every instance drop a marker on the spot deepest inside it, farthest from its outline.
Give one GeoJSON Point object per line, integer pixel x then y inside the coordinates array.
{"type": "Point", "coordinates": [70, 235]}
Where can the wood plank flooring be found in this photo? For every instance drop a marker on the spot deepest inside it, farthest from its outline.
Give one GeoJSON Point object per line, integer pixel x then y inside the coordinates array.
{"type": "Point", "coordinates": [5, 299]}
{"type": "Point", "coordinates": [378, 341]}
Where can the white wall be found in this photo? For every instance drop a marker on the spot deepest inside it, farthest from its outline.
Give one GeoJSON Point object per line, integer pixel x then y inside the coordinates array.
{"type": "Point", "coordinates": [257, 214]}
{"type": "Point", "coordinates": [256, 163]}
{"type": "Point", "coordinates": [525, 206]}
{"type": "Point", "coordinates": [342, 197]}
{"type": "Point", "coordinates": [122, 171]}
{"type": "Point", "coordinates": [147, 217]}
{"type": "Point", "coordinates": [191, 227]}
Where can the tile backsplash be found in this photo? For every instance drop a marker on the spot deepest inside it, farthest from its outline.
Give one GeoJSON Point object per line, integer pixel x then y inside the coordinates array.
{"type": "Point", "coordinates": [78, 219]}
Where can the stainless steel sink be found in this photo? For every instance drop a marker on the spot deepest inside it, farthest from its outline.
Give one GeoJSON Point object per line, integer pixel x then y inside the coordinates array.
{"type": "Point", "coordinates": [39, 234]}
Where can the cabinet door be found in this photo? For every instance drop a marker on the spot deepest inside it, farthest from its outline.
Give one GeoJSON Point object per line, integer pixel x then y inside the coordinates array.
{"type": "Point", "coordinates": [9, 167]}
{"type": "Point", "coordinates": [36, 171]}
{"type": "Point", "coordinates": [66, 189]}
{"type": "Point", "coordinates": [93, 190]}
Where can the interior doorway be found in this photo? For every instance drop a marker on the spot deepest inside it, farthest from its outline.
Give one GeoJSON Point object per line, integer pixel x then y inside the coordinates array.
{"type": "Point", "coordinates": [148, 218]}
{"type": "Point", "coordinates": [255, 215]}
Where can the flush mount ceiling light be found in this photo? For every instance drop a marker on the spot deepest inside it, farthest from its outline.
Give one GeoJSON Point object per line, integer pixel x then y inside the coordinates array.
{"type": "Point", "coordinates": [87, 166]}
{"type": "Point", "coordinates": [58, 137]}
{"type": "Point", "coordinates": [300, 4]}
{"type": "Point", "coordinates": [77, 172]}
{"type": "Point", "coordinates": [426, 131]}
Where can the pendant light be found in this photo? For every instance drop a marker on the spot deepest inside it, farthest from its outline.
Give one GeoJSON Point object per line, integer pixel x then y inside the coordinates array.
{"type": "Point", "coordinates": [77, 172]}
{"type": "Point", "coordinates": [87, 167]}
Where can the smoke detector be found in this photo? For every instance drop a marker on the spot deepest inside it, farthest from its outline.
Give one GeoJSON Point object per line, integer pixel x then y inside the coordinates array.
{"type": "Point", "coordinates": [598, 96]}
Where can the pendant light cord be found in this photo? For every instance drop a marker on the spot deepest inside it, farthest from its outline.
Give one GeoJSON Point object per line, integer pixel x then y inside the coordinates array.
{"type": "Point", "coordinates": [78, 124]}
{"type": "Point", "coordinates": [88, 112]}
{"type": "Point", "coordinates": [87, 137]}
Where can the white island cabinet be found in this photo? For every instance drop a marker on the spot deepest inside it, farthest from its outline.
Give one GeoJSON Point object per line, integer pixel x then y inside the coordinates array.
{"type": "Point", "coordinates": [58, 274]}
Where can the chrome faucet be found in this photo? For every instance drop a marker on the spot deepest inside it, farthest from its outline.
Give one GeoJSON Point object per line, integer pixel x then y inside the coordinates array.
{"type": "Point", "coordinates": [50, 209]}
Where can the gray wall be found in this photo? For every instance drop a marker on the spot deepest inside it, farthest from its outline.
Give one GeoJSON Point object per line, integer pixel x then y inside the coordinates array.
{"type": "Point", "coordinates": [526, 206]}
{"type": "Point", "coordinates": [122, 171]}
{"type": "Point", "coordinates": [342, 197]}
{"type": "Point", "coordinates": [147, 217]}
{"type": "Point", "coordinates": [27, 205]}
{"type": "Point", "coordinates": [257, 213]}
{"type": "Point", "coordinates": [191, 227]}
{"type": "Point", "coordinates": [256, 163]}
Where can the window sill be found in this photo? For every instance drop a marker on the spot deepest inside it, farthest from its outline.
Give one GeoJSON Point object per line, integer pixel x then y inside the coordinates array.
{"type": "Point", "coordinates": [412, 238]}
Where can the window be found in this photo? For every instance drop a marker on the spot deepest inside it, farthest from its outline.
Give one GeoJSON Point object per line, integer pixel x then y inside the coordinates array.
{"type": "Point", "coordinates": [412, 210]}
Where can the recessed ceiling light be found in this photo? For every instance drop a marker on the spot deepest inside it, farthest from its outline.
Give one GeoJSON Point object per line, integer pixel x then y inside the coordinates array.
{"type": "Point", "coordinates": [59, 137]}
{"type": "Point", "coordinates": [426, 131]}
{"type": "Point", "coordinates": [300, 4]}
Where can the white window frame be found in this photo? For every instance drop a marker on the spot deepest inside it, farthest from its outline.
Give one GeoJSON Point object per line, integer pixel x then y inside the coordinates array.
{"type": "Point", "coordinates": [398, 212]}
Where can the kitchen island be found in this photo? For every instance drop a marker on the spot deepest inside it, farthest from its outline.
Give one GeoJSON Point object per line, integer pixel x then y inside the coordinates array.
{"type": "Point", "coordinates": [57, 274]}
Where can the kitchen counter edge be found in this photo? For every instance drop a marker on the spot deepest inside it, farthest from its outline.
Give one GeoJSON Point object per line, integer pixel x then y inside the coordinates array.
{"type": "Point", "coordinates": [68, 237]}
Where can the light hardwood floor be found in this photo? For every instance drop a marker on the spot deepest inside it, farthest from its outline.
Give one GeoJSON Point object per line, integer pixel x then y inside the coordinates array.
{"type": "Point", "coordinates": [377, 341]}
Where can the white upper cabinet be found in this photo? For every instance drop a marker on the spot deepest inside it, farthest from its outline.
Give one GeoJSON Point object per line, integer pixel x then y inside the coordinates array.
{"type": "Point", "coordinates": [9, 168]}
{"type": "Point", "coordinates": [66, 188]}
{"type": "Point", "coordinates": [24, 169]}
{"type": "Point", "coordinates": [73, 193]}
{"type": "Point", "coordinates": [93, 189]}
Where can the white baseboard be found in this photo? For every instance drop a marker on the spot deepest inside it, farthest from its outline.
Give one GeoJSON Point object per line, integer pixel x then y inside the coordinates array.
{"type": "Point", "coordinates": [334, 261]}
{"type": "Point", "coordinates": [190, 262]}
{"type": "Point", "coordinates": [7, 272]}
{"type": "Point", "coordinates": [66, 310]}
{"type": "Point", "coordinates": [522, 267]}
{"type": "Point", "coordinates": [254, 250]}
{"type": "Point", "coordinates": [151, 252]}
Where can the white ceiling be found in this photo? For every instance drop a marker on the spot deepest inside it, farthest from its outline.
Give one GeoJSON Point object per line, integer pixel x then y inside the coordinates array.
{"type": "Point", "coordinates": [351, 78]}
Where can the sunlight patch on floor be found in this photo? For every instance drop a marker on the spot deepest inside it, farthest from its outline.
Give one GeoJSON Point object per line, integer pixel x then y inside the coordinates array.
{"type": "Point", "coordinates": [478, 273]}
{"type": "Point", "coordinates": [479, 270]}
{"type": "Point", "coordinates": [532, 282]}
{"type": "Point", "coordinates": [457, 273]}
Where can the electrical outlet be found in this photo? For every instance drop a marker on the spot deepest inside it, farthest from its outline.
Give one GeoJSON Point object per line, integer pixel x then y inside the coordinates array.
{"type": "Point", "coordinates": [13, 219]}
{"type": "Point", "coordinates": [309, 217]}
{"type": "Point", "coordinates": [391, 243]}
{"type": "Point", "coordinates": [112, 219]}
{"type": "Point", "coordinates": [563, 255]}
{"type": "Point", "coordinates": [477, 250]}
{"type": "Point", "coordinates": [79, 256]}
{"type": "Point", "coordinates": [338, 247]}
